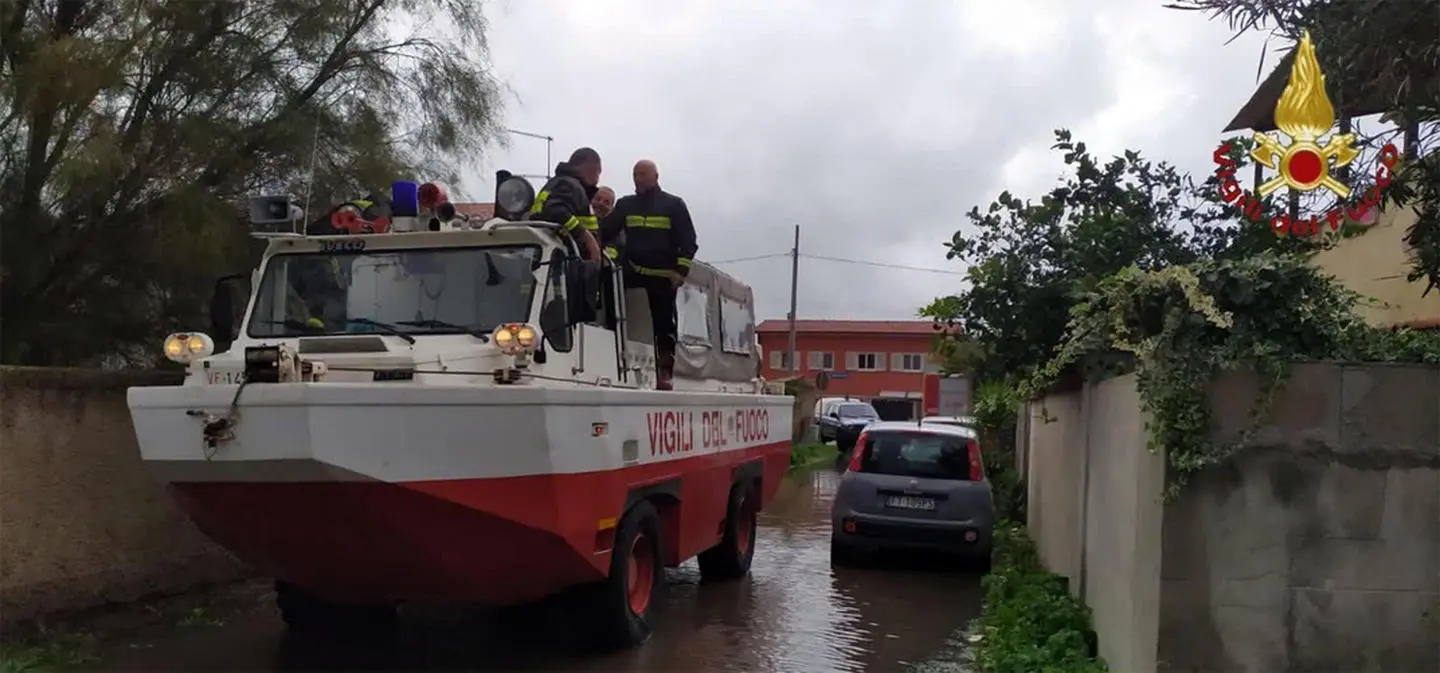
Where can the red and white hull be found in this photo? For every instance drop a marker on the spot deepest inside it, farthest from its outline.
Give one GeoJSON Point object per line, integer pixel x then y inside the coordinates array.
{"type": "Point", "coordinates": [496, 495]}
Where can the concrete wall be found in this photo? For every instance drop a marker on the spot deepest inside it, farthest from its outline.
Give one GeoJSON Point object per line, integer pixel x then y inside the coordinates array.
{"type": "Point", "coordinates": [1375, 265]}
{"type": "Point", "coordinates": [81, 523]}
{"type": "Point", "coordinates": [1316, 549]}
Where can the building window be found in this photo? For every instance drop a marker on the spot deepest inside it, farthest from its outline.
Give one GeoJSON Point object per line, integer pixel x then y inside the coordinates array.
{"type": "Point", "coordinates": [908, 362]}
{"type": "Point", "coordinates": [822, 360]}
{"type": "Point", "coordinates": [867, 362]}
{"type": "Point", "coordinates": [780, 360]}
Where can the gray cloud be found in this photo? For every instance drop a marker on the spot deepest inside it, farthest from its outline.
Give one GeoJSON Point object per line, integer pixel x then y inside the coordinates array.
{"type": "Point", "coordinates": [874, 126]}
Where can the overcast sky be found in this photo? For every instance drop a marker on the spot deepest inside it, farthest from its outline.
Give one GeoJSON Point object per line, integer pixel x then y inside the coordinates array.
{"type": "Point", "coordinates": [872, 125]}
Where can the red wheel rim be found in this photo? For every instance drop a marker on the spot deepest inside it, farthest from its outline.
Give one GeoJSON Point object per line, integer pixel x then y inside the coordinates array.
{"type": "Point", "coordinates": [746, 525]}
{"type": "Point", "coordinates": [640, 574]}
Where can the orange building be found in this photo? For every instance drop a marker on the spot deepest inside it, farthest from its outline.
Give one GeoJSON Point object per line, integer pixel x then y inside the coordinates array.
{"type": "Point", "coordinates": [885, 362]}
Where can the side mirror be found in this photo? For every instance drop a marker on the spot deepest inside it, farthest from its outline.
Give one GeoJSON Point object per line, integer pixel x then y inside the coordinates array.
{"type": "Point", "coordinates": [582, 288]}
{"type": "Point", "coordinates": [553, 325]}
{"type": "Point", "coordinates": [224, 324]}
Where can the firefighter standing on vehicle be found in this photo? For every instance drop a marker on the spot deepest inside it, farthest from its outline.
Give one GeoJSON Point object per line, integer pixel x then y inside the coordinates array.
{"type": "Point", "coordinates": [565, 200]}
{"type": "Point", "coordinates": [653, 232]}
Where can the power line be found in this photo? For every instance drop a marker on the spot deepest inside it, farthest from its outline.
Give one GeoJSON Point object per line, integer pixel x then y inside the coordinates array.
{"type": "Point", "coordinates": [751, 258]}
{"type": "Point", "coordinates": [883, 265]}
{"type": "Point", "coordinates": [842, 260]}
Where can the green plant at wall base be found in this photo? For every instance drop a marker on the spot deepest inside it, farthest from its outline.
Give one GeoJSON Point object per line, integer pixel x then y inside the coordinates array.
{"type": "Point", "coordinates": [1030, 623]}
{"type": "Point", "coordinates": [813, 453]}
{"type": "Point", "coordinates": [48, 652]}
{"type": "Point", "coordinates": [1181, 327]}
{"type": "Point", "coordinates": [995, 407]}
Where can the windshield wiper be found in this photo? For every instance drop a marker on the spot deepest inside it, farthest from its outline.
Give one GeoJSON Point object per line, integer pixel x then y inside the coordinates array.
{"type": "Point", "coordinates": [382, 326]}
{"type": "Point", "coordinates": [443, 324]}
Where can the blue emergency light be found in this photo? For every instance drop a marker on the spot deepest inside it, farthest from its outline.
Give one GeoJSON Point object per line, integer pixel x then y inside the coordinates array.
{"type": "Point", "coordinates": [404, 199]}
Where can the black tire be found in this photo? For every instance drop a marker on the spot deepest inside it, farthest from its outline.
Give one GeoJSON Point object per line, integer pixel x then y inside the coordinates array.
{"type": "Point", "coordinates": [619, 624]}
{"type": "Point", "coordinates": [731, 558]}
{"type": "Point", "coordinates": [305, 612]}
{"type": "Point", "coordinates": [980, 562]}
{"type": "Point", "coordinates": [843, 555]}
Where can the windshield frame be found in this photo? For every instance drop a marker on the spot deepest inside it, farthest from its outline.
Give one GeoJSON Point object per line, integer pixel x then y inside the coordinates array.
{"type": "Point", "coordinates": [264, 274]}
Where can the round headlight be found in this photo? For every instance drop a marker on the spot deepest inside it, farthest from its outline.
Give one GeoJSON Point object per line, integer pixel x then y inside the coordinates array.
{"type": "Point", "coordinates": [515, 196]}
{"type": "Point", "coordinates": [525, 335]}
{"type": "Point", "coordinates": [503, 337]}
{"type": "Point", "coordinates": [188, 346]}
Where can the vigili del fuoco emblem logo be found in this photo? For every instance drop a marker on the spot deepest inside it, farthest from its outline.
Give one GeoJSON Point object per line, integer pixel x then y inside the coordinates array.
{"type": "Point", "coordinates": [1306, 162]}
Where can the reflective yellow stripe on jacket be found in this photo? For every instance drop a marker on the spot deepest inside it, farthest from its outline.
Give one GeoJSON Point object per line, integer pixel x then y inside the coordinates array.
{"type": "Point", "coordinates": [650, 271]}
{"type": "Point", "coordinates": [647, 222]}
{"type": "Point", "coordinates": [591, 222]}
{"type": "Point", "coordinates": [539, 202]}
{"type": "Point", "coordinates": [571, 223]}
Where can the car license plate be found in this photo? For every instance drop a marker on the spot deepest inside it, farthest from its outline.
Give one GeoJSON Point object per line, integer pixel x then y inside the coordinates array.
{"type": "Point", "coordinates": [909, 502]}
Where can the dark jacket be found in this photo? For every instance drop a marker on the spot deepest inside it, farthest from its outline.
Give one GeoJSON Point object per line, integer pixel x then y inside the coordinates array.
{"type": "Point", "coordinates": [655, 231]}
{"type": "Point", "coordinates": [562, 200]}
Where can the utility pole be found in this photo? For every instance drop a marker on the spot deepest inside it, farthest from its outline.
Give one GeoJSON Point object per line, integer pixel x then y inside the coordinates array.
{"type": "Point", "coordinates": [794, 284]}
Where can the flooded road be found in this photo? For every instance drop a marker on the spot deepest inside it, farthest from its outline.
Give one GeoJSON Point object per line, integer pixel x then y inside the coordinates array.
{"type": "Point", "coordinates": [792, 614]}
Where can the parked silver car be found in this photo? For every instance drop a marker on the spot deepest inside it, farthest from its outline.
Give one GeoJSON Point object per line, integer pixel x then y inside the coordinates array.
{"type": "Point", "coordinates": [914, 486]}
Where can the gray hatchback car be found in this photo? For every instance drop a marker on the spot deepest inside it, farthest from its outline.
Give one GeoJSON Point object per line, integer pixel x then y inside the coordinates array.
{"type": "Point", "coordinates": [915, 487]}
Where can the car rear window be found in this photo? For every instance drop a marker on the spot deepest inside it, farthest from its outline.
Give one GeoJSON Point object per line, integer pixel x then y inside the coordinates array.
{"type": "Point", "coordinates": [916, 454]}
{"type": "Point", "coordinates": [856, 411]}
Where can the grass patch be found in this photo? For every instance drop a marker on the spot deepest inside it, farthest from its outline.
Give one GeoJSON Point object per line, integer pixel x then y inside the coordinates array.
{"type": "Point", "coordinates": [810, 453]}
{"type": "Point", "coordinates": [46, 651]}
{"type": "Point", "coordinates": [1030, 623]}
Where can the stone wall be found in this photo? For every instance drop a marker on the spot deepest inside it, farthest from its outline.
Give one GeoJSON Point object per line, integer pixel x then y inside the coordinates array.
{"type": "Point", "coordinates": [81, 523]}
{"type": "Point", "coordinates": [1316, 549]}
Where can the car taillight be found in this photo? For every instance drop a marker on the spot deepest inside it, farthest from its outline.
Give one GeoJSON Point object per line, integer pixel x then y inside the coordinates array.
{"type": "Point", "coordinates": [856, 453]}
{"type": "Point", "coordinates": [977, 465]}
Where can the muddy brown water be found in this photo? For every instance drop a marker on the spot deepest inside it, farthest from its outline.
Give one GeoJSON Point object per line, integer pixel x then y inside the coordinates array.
{"type": "Point", "coordinates": [793, 614]}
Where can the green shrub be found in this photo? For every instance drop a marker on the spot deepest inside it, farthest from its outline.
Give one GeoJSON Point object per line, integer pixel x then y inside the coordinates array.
{"type": "Point", "coordinates": [813, 453]}
{"type": "Point", "coordinates": [1030, 623]}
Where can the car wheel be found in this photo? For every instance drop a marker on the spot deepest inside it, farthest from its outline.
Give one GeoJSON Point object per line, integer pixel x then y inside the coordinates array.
{"type": "Point", "coordinates": [980, 561]}
{"type": "Point", "coordinates": [843, 555]}
{"type": "Point", "coordinates": [731, 558]}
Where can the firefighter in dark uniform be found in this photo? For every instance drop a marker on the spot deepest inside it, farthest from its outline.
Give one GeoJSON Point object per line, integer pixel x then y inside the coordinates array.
{"type": "Point", "coordinates": [319, 285]}
{"type": "Point", "coordinates": [565, 200]}
{"type": "Point", "coordinates": [652, 231]}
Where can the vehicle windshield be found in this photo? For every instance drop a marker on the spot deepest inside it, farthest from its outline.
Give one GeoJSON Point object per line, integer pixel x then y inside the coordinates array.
{"type": "Point", "coordinates": [427, 291]}
{"type": "Point", "coordinates": [916, 454]}
{"type": "Point", "coordinates": [856, 411]}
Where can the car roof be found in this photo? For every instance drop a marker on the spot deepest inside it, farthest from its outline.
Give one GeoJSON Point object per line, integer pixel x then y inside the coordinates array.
{"type": "Point", "coordinates": [950, 419]}
{"type": "Point", "coordinates": [933, 429]}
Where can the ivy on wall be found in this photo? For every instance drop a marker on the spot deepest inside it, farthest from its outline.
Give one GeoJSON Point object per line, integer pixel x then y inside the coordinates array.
{"type": "Point", "coordinates": [1179, 328]}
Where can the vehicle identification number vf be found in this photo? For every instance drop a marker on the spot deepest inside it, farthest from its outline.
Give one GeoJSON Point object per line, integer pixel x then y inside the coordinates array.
{"type": "Point", "coordinates": [673, 432]}
{"type": "Point", "coordinates": [215, 378]}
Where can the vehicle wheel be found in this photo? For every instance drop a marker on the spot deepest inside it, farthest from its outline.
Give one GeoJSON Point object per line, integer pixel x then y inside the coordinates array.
{"type": "Point", "coordinates": [624, 603]}
{"type": "Point", "coordinates": [980, 562]}
{"type": "Point", "coordinates": [731, 558]}
{"type": "Point", "coordinates": [842, 554]}
{"type": "Point", "coordinates": [303, 611]}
